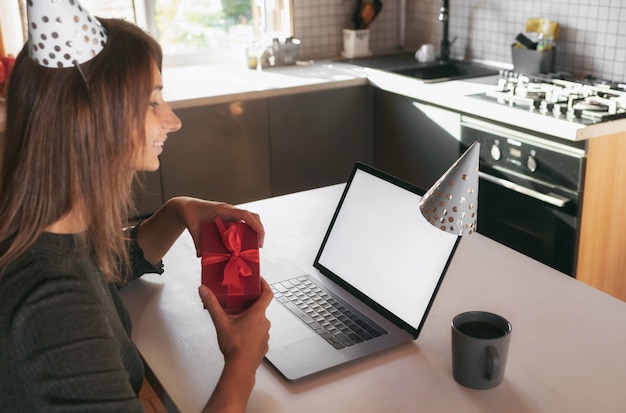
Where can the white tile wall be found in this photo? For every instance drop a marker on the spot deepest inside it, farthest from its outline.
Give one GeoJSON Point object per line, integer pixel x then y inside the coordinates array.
{"type": "Point", "coordinates": [319, 24]}
{"type": "Point", "coordinates": [592, 37]}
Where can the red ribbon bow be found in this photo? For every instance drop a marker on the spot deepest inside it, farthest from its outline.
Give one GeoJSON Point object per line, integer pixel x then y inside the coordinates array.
{"type": "Point", "coordinates": [237, 265]}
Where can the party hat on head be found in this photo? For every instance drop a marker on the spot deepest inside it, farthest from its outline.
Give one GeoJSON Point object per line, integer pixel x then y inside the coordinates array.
{"type": "Point", "coordinates": [451, 204]}
{"type": "Point", "coordinates": [62, 33]}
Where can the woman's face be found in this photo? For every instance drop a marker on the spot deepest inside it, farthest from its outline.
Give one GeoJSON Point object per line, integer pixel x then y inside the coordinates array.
{"type": "Point", "coordinates": [160, 120]}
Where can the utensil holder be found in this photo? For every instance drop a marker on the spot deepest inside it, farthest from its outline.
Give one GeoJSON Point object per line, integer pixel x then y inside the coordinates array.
{"type": "Point", "coordinates": [532, 62]}
{"type": "Point", "coordinates": [356, 43]}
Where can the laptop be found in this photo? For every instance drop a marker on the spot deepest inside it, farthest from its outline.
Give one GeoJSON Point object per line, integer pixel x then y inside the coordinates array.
{"type": "Point", "coordinates": [380, 261]}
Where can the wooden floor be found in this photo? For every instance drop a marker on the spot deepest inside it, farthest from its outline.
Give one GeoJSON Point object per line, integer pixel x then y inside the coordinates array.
{"type": "Point", "coordinates": [151, 402]}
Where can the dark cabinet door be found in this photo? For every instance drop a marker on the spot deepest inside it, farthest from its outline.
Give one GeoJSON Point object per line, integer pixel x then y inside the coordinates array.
{"type": "Point", "coordinates": [148, 193]}
{"type": "Point", "coordinates": [414, 141]}
{"type": "Point", "coordinates": [317, 137]}
{"type": "Point", "coordinates": [221, 153]}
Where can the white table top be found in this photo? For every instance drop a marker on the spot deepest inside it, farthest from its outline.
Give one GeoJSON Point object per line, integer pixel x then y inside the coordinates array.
{"type": "Point", "coordinates": [567, 354]}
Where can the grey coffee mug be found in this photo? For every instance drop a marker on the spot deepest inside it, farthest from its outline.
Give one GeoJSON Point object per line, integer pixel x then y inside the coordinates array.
{"type": "Point", "coordinates": [480, 346]}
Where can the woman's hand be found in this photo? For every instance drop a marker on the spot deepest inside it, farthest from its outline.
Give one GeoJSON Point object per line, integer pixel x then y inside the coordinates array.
{"type": "Point", "coordinates": [243, 340]}
{"type": "Point", "coordinates": [242, 335]}
{"type": "Point", "coordinates": [194, 212]}
{"type": "Point", "coordinates": [157, 234]}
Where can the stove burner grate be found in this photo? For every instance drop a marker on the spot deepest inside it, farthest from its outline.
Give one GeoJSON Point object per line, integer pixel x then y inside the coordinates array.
{"type": "Point", "coordinates": [584, 102]}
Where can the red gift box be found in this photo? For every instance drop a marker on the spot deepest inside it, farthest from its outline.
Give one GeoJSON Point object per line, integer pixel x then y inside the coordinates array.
{"type": "Point", "coordinates": [230, 263]}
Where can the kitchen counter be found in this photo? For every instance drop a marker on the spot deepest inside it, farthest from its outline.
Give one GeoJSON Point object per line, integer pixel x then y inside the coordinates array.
{"type": "Point", "coordinates": [456, 95]}
{"type": "Point", "coordinates": [208, 84]}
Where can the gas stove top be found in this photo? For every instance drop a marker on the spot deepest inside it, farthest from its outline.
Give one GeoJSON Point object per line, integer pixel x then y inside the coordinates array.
{"type": "Point", "coordinates": [586, 102]}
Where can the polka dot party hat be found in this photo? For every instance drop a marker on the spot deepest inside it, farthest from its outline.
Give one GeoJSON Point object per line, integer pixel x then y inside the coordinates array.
{"type": "Point", "coordinates": [451, 204]}
{"type": "Point", "coordinates": [61, 33]}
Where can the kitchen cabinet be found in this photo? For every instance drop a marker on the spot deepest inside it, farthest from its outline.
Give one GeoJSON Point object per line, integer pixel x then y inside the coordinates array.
{"type": "Point", "coordinates": [602, 246]}
{"type": "Point", "coordinates": [412, 140]}
{"type": "Point", "coordinates": [317, 137]}
{"type": "Point", "coordinates": [148, 193]}
{"type": "Point", "coordinates": [251, 149]}
{"type": "Point", "coordinates": [221, 153]}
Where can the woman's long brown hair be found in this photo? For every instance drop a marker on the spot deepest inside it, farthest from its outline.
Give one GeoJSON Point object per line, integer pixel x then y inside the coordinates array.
{"type": "Point", "coordinates": [69, 142]}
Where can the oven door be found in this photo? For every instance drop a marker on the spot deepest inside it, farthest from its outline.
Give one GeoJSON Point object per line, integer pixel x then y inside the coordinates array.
{"type": "Point", "coordinates": [536, 222]}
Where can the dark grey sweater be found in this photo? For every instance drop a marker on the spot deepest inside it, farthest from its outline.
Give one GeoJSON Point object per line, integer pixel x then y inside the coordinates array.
{"type": "Point", "coordinates": [64, 333]}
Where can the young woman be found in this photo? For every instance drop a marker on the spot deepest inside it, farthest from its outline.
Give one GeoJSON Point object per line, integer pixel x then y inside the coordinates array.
{"type": "Point", "coordinates": [74, 139]}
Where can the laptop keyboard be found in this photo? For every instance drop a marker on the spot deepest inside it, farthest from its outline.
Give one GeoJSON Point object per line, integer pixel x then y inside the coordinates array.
{"type": "Point", "coordinates": [326, 314]}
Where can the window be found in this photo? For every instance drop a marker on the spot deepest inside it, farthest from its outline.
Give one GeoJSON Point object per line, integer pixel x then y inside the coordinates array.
{"type": "Point", "coordinates": [203, 31]}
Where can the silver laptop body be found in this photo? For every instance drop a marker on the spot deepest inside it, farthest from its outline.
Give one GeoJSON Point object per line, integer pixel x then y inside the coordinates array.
{"type": "Point", "coordinates": [380, 257]}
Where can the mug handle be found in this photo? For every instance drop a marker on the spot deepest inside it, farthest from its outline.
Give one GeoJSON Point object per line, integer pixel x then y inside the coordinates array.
{"type": "Point", "coordinates": [492, 363]}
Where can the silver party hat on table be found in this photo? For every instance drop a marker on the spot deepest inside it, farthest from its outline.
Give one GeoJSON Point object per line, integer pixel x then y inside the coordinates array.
{"type": "Point", "coordinates": [451, 204]}
{"type": "Point", "coordinates": [62, 33]}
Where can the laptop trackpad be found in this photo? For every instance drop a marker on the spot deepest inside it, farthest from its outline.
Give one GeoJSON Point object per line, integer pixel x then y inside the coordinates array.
{"type": "Point", "coordinates": [286, 328]}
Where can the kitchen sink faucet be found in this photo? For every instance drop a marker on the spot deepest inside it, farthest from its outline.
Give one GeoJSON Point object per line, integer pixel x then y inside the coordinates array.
{"type": "Point", "coordinates": [445, 42]}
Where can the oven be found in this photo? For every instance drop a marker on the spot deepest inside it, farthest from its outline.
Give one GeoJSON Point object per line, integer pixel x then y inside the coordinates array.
{"type": "Point", "coordinates": [530, 191]}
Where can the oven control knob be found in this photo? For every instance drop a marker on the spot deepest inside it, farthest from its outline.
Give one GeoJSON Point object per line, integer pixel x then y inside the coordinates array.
{"type": "Point", "coordinates": [496, 153]}
{"type": "Point", "coordinates": [531, 164]}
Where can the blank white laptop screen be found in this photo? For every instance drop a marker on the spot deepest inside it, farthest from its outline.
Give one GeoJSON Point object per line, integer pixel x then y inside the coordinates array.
{"type": "Point", "coordinates": [382, 246]}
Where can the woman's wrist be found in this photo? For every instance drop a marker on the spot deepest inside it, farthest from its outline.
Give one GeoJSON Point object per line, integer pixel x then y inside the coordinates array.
{"type": "Point", "coordinates": [174, 207]}
{"type": "Point", "coordinates": [157, 233]}
{"type": "Point", "coordinates": [233, 389]}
